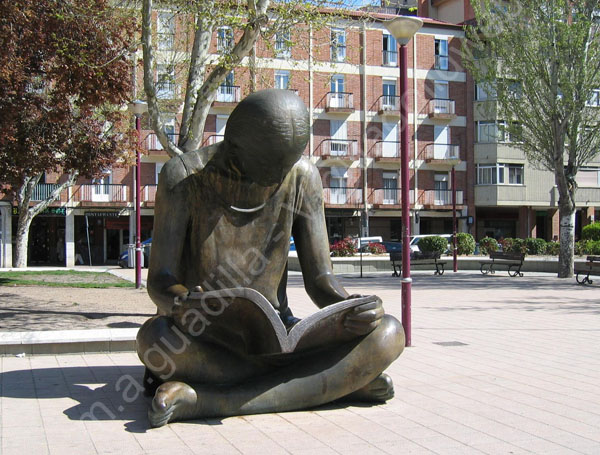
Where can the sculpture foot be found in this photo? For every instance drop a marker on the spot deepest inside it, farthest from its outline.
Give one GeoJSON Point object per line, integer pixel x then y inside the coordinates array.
{"type": "Point", "coordinates": [380, 389]}
{"type": "Point", "coordinates": [173, 401]}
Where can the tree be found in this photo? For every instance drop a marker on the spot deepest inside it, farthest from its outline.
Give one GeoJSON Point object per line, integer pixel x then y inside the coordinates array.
{"type": "Point", "coordinates": [542, 59]}
{"type": "Point", "coordinates": [64, 77]}
{"type": "Point", "coordinates": [239, 24]}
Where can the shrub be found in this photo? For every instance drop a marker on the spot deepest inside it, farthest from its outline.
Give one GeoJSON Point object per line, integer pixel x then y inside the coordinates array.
{"type": "Point", "coordinates": [433, 244]}
{"type": "Point", "coordinates": [375, 248]}
{"type": "Point", "coordinates": [535, 246]}
{"type": "Point", "coordinates": [585, 247]}
{"type": "Point", "coordinates": [465, 243]}
{"type": "Point", "coordinates": [344, 247]}
{"type": "Point", "coordinates": [552, 248]}
{"type": "Point", "coordinates": [510, 245]}
{"type": "Point", "coordinates": [488, 245]}
{"type": "Point", "coordinates": [591, 231]}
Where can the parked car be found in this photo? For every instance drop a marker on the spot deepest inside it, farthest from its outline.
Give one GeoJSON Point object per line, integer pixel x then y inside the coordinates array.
{"type": "Point", "coordinates": [392, 247]}
{"type": "Point", "coordinates": [124, 257]}
{"type": "Point", "coordinates": [414, 241]}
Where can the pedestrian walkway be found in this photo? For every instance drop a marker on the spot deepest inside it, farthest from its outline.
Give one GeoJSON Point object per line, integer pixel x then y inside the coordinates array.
{"type": "Point", "coordinates": [498, 365]}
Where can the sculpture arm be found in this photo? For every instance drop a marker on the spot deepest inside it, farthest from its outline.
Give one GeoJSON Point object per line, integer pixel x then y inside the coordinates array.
{"type": "Point", "coordinates": [165, 273]}
{"type": "Point", "coordinates": [312, 243]}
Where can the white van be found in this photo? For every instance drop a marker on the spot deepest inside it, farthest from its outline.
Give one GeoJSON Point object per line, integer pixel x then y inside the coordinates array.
{"type": "Point", "coordinates": [414, 240]}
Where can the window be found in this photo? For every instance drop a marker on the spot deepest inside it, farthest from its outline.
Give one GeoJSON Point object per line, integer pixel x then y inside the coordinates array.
{"type": "Point", "coordinates": [226, 92]}
{"type": "Point", "coordinates": [442, 195]}
{"type": "Point", "coordinates": [515, 174]}
{"type": "Point", "coordinates": [484, 92]}
{"type": "Point", "coordinates": [339, 137]}
{"type": "Point", "coordinates": [224, 39]}
{"type": "Point", "coordinates": [165, 84]}
{"type": "Point", "coordinates": [165, 31]}
{"type": "Point", "coordinates": [390, 188]}
{"type": "Point", "coordinates": [283, 45]}
{"type": "Point", "coordinates": [282, 80]}
{"type": "Point", "coordinates": [487, 132]}
{"type": "Point", "coordinates": [492, 174]}
{"type": "Point", "coordinates": [594, 99]}
{"type": "Point", "coordinates": [337, 98]}
{"type": "Point", "coordinates": [338, 45]}
{"type": "Point", "coordinates": [158, 168]}
{"type": "Point", "coordinates": [390, 50]}
{"type": "Point", "coordinates": [441, 54]}
{"type": "Point", "coordinates": [588, 177]}
{"type": "Point", "coordinates": [389, 94]}
{"type": "Point", "coordinates": [338, 183]}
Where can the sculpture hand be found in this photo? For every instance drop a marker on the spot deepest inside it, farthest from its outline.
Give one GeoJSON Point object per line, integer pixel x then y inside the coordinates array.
{"type": "Point", "coordinates": [364, 318]}
{"type": "Point", "coordinates": [180, 312]}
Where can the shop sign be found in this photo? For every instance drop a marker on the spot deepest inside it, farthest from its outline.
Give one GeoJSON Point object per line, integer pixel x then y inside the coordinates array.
{"type": "Point", "coordinates": [49, 211]}
{"type": "Point", "coordinates": [102, 214]}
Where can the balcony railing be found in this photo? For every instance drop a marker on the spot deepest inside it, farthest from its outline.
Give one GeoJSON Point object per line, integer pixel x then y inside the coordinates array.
{"type": "Point", "coordinates": [389, 103]}
{"type": "Point", "coordinates": [343, 148]}
{"type": "Point", "coordinates": [228, 94]}
{"type": "Point", "coordinates": [440, 197]}
{"type": "Point", "coordinates": [340, 100]}
{"type": "Point", "coordinates": [148, 193]}
{"type": "Point", "coordinates": [214, 138]}
{"type": "Point", "coordinates": [386, 196]}
{"type": "Point", "coordinates": [390, 58]}
{"type": "Point", "coordinates": [441, 107]}
{"type": "Point", "coordinates": [166, 90]}
{"type": "Point", "coordinates": [343, 196]}
{"type": "Point", "coordinates": [152, 142]}
{"type": "Point", "coordinates": [386, 149]}
{"type": "Point", "coordinates": [100, 193]}
{"type": "Point", "coordinates": [449, 152]}
{"type": "Point", "coordinates": [42, 191]}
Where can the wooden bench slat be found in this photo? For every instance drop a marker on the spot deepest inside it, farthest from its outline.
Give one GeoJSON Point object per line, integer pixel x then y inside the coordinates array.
{"type": "Point", "coordinates": [510, 260]}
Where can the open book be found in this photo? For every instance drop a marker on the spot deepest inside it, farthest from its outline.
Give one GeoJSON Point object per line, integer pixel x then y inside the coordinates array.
{"type": "Point", "coordinates": [243, 320]}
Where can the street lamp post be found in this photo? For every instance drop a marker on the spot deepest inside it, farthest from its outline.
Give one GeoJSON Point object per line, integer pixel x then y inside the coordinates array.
{"type": "Point", "coordinates": [137, 108]}
{"type": "Point", "coordinates": [403, 28]}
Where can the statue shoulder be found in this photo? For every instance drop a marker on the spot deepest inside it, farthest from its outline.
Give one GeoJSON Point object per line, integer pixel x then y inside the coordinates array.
{"type": "Point", "coordinates": [182, 166]}
{"type": "Point", "coordinates": [307, 171]}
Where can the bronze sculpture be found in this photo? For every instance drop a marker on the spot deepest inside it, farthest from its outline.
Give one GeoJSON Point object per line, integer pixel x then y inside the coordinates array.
{"type": "Point", "coordinates": [224, 216]}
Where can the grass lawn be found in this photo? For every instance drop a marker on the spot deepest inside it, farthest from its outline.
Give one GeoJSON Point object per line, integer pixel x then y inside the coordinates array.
{"type": "Point", "coordinates": [63, 278]}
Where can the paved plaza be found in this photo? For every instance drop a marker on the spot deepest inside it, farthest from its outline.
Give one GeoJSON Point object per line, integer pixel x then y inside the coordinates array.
{"type": "Point", "coordinates": [498, 365]}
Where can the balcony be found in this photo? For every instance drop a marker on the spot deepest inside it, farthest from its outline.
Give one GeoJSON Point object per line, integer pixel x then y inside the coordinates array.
{"type": "Point", "coordinates": [213, 139]}
{"type": "Point", "coordinates": [441, 153]}
{"type": "Point", "coordinates": [390, 198]}
{"type": "Point", "coordinates": [227, 95]}
{"type": "Point", "coordinates": [342, 197]}
{"type": "Point", "coordinates": [153, 144]}
{"type": "Point", "coordinates": [42, 191]}
{"type": "Point", "coordinates": [389, 58]}
{"type": "Point", "coordinates": [439, 199]}
{"type": "Point", "coordinates": [166, 90]}
{"type": "Point", "coordinates": [340, 102]}
{"type": "Point", "coordinates": [338, 149]}
{"type": "Point", "coordinates": [386, 151]}
{"type": "Point", "coordinates": [389, 105]}
{"type": "Point", "coordinates": [442, 109]}
{"type": "Point", "coordinates": [100, 193]}
{"type": "Point", "coordinates": [148, 194]}
{"type": "Point", "coordinates": [507, 195]}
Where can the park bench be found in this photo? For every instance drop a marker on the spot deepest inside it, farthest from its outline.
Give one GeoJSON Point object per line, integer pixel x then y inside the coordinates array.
{"type": "Point", "coordinates": [514, 262]}
{"type": "Point", "coordinates": [590, 267]}
{"type": "Point", "coordinates": [417, 258]}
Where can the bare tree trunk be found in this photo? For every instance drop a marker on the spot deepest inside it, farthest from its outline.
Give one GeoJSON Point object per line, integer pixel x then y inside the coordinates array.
{"type": "Point", "coordinates": [22, 240]}
{"type": "Point", "coordinates": [567, 241]}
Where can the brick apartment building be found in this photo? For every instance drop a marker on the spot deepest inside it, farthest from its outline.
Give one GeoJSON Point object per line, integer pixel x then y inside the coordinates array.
{"type": "Point", "coordinates": [348, 77]}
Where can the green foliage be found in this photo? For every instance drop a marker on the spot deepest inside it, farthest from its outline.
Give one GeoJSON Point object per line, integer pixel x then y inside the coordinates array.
{"type": "Point", "coordinates": [591, 231]}
{"type": "Point", "coordinates": [63, 278]}
{"type": "Point", "coordinates": [516, 245]}
{"type": "Point", "coordinates": [465, 243]}
{"type": "Point", "coordinates": [488, 245]}
{"type": "Point", "coordinates": [587, 247]}
{"type": "Point", "coordinates": [535, 246]}
{"type": "Point", "coordinates": [343, 248]}
{"type": "Point", "coordinates": [553, 248]}
{"type": "Point", "coordinates": [433, 244]}
{"type": "Point", "coordinates": [375, 248]}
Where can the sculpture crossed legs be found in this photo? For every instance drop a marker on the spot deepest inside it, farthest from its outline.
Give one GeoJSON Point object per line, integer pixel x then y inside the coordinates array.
{"type": "Point", "coordinates": [224, 215]}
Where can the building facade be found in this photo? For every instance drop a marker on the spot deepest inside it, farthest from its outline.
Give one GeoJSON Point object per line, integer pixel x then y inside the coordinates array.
{"type": "Point", "coordinates": [348, 76]}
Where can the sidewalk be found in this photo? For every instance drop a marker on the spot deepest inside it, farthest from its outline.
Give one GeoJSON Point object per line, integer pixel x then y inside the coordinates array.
{"type": "Point", "coordinates": [498, 365]}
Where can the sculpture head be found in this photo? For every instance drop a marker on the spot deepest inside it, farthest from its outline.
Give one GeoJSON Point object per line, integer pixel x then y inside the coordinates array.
{"type": "Point", "coordinates": [266, 134]}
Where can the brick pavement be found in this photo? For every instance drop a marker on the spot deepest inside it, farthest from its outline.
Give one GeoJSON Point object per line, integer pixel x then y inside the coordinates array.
{"type": "Point", "coordinates": [498, 365]}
